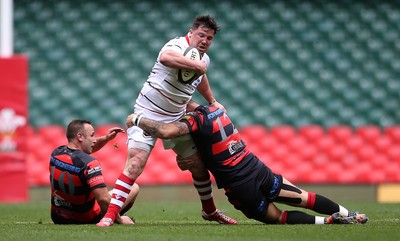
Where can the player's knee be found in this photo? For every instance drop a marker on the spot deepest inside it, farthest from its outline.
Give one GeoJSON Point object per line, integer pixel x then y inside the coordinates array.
{"type": "Point", "coordinates": [191, 163]}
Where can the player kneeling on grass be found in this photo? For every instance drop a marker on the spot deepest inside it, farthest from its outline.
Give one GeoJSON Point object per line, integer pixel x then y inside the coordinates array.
{"type": "Point", "coordinates": [78, 192]}
{"type": "Point", "coordinates": [249, 184]}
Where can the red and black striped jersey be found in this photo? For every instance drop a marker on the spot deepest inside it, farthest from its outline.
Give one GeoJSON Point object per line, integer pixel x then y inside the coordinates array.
{"type": "Point", "coordinates": [73, 174]}
{"type": "Point", "coordinates": [220, 145]}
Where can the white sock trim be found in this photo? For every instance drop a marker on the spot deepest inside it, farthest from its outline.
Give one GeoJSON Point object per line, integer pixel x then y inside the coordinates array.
{"type": "Point", "coordinates": [206, 197]}
{"type": "Point", "coordinates": [117, 202]}
{"type": "Point", "coordinates": [319, 220]}
{"type": "Point", "coordinates": [204, 189]}
{"type": "Point", "coordinates": [124, 184]}
{"type": "Point", "coordinates": [202, 182]}
{"type": "Point", "coordinates": [343, 211]}
{"type": "Point", "coordinates": [121, 193]}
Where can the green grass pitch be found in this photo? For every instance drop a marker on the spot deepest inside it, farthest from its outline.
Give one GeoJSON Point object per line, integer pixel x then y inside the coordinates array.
{"type": "Point", "coordinates": [177, 217]}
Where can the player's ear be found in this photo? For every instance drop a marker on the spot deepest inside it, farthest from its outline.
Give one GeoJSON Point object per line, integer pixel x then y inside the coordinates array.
{"type": "Point", "coordinates": [79, 136]}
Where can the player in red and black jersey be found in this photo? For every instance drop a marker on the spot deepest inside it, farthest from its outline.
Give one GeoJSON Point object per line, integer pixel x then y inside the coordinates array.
{"type": "Point", "coordinates": [249, 184]}
{"type": "Point", "coordinates": [78, 192]}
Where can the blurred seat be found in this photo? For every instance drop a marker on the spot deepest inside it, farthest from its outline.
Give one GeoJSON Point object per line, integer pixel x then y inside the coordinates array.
{"type": "Point", "coordinates": [369, 133]}
{"type": "Point", "coordinates": [283, 133]}
{"type": "Point", "coordinates": [340, 133]}
{"type": "Point", "coordinates": [312, 133]}
{"type": "Point", "coordinates": [393, 132]}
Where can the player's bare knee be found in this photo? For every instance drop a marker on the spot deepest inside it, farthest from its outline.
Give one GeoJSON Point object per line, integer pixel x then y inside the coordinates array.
{"type": "Point", "coordinates": [191, 163]}
{"type": "Point", "coordinates": [198, 168]}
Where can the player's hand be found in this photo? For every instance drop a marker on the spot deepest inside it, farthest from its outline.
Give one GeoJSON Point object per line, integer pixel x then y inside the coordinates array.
{"type": "Point", "coordinates": [112, 133]}
{"type": "Point", "coordinates": [185, 164]}
{"type": "Point", "coordinates": [201, 68]}
{"type": "Point", "coordinates": [129, 119]}
{"type": "Point", "coordinates": [219, 105]}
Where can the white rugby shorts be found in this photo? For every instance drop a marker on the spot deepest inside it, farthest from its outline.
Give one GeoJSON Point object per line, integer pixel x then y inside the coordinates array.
{"type": "Point", "coordinates": [182, 146]}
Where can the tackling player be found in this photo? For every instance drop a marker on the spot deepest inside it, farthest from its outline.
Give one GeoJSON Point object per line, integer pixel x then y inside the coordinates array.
{"type": "Point", "coordinates": [249, 184]}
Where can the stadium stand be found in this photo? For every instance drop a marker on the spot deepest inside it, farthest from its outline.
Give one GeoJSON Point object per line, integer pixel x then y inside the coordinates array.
{"type": "Point", "coordinates": [313, 85]}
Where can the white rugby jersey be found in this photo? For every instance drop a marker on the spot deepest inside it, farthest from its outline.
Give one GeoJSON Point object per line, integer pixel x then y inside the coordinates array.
{"type": "Point", "coordinates": [163, 97]}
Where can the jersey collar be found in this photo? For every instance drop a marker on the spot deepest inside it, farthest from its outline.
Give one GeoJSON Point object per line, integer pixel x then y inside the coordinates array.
{"type": "Point", "coordinates": [187, 39]}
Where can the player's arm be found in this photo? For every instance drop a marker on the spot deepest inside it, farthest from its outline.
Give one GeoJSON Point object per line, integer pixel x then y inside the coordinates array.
{"type": "Point", "coordinates": [157, 128]}
{"type": "Point", "coordinates": [176, 60]}
{"type": "Point", "coordinates": [103, 198]}
{"type": "Point", "coordinates": [102, 140]}
{"type": "Point", "coordinates": [205, 90]}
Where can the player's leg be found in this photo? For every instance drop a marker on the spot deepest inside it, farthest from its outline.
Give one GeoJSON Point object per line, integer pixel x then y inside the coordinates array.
{"type": "Point", "coordinates": [139, 148]}
{"type": "Point", "coordinates": [254, 197]}
{"type": "Point", "coordinates": [130, 200]}
{"type": "Point", "coordinates": [189, 159]}
{"type": "Point", "coordinates": [295, 196]}
{"type": "Point", "coordinates": [276, 216]}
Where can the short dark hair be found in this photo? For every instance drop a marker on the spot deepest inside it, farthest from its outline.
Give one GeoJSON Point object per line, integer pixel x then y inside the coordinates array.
{"type": "Point", "coordinates": [206, 21]}
{"type": "Point", "coordinates": [76, 126]}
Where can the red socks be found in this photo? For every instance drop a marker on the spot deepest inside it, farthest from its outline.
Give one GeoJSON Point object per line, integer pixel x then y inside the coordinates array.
{"type": "Point", "coordinates": [204, 189]}
{"type": "Point", "coordinates": [121, 190]}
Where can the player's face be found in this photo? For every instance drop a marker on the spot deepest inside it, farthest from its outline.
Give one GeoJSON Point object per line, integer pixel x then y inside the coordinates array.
{"type": "Point", "coordinates": [201, 38]}
{"type": "Point", "coordinates": [88, 139]}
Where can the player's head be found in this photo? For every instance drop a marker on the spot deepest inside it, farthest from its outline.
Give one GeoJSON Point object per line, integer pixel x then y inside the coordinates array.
{"type": "Point", "coordinates": [81, 134]}
{"type": "Point", "coordinates": [202, 32]}
{"type": "Point", "coordinates": [205, 21]}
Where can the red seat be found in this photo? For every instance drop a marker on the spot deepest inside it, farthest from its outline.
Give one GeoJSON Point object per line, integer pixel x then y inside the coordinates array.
{"type": "Point", "coordinates": [102, 130]}
{"type": "Point", "coordinates": [382, 144]}
{"type": "Point", "coordinates": [283, 133]}
{"type": "Point", "coordinates": [369, 133]}
{"type": "Point", "coordinates": [340, 132]}
{"type": "Point", "coordinates": [325, 143]}
{"type": "Point", "coordinates": [264, 145]}
{"type": "Point", "coordinates": [53, 135]}
{"type": "Point", "coordinates": [297, 143]}
{"type": "Point", "coordinates": [280, 153]}
{"type": "Point", "coordinates": [336, 152]}
{"type": "Point", "coordinates": [393, 132]}
{"type": "Point", "coordinates": [308, 152]}
{"type": "Point", "coordinates": [253, 133]}
{"type": "Point", "coordinates": [312, 133]}
{"type": "Point", "coordinates": [354, 143]}
{"type": "Point", "coordinates": [365, 152]}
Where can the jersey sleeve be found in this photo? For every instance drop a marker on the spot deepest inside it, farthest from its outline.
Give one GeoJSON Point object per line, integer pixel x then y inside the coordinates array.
{"type": "Point", "coordinates": [175, 45]}
{"type": "Point", "coordinates": [190, 120]}
{"type": "Point", "coordinates": [94, 175]}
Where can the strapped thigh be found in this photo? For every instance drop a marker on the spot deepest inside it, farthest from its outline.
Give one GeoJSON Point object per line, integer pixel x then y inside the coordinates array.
{"type": "Point", "coordinates": [289, 188]}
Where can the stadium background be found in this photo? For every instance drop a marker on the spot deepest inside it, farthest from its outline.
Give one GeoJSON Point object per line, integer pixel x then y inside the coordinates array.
{"type": "Point", "coordinates": [313, 85]}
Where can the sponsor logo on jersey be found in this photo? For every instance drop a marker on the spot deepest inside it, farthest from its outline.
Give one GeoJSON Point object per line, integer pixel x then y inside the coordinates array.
{"type": "Point", "coordinates": [95, 181]}
{"type": "Point", "coordinates": [94, 170]}
{"type": "Point", "coordinates": [275, 186]}
{"type": "Point", "coordinates": [215, 113]}
{"type": "Point", "coordinates": [64, 166]}
{"type": "Point", "coordinates": [261, 206]}
{"type": "Point", "coordinates": [59, 201]}
{"type": "Point", "coordinates": [235, 146]}
{"type": "Point", "coordinates": [196, 82]}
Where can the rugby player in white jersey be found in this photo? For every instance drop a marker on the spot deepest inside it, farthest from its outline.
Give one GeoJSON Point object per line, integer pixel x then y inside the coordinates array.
{"type": "Point", "coordinates": [164, 98]}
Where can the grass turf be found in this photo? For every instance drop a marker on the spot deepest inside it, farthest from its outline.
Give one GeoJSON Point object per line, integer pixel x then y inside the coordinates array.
{"type": "Point", "coordinates": [180, 219]}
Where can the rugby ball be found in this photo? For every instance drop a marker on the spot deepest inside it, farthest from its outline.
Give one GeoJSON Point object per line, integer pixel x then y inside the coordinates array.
{"type": "Point", "coordinates": [186, 76]}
